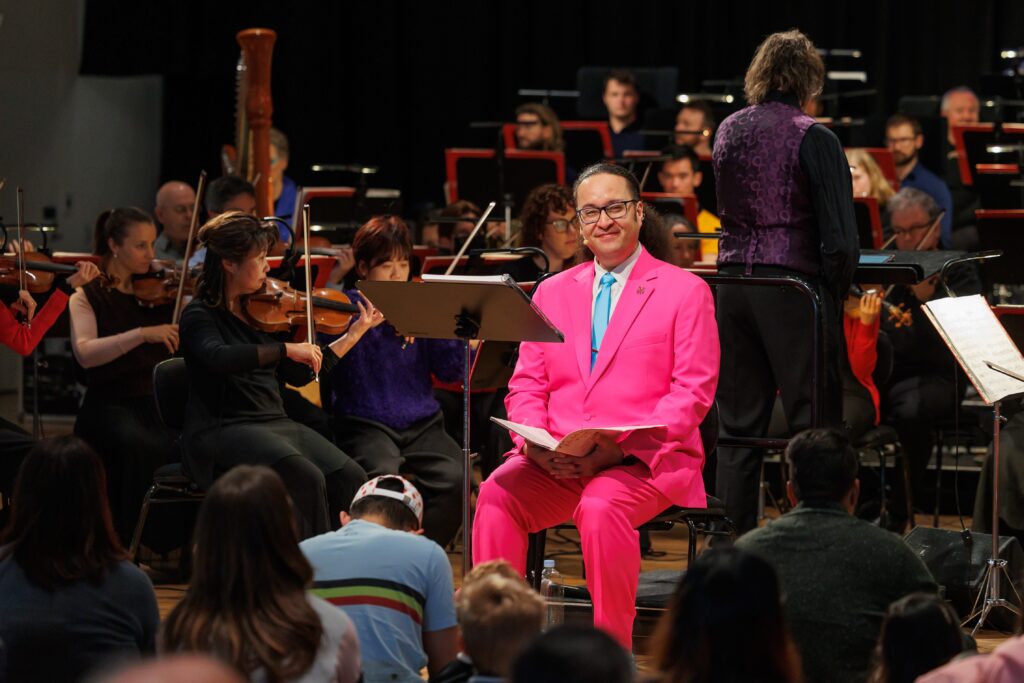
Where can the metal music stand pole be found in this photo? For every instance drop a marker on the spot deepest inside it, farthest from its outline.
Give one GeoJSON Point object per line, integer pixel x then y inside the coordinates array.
{"type": "Point", "coordinates": [989, 594]}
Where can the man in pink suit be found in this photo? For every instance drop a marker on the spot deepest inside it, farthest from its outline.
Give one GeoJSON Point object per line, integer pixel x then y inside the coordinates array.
{"type": "Point", "coordinates": [641, 348]}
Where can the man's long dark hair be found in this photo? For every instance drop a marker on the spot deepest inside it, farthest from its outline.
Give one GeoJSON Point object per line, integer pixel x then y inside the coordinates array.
{"type": "Point", "coordinates": [247, 601]}
{"type": "Point", "coordinates": [60, 529]}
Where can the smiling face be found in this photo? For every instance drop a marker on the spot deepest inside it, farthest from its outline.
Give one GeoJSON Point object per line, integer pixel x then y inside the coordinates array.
{"type": "Point", "coordinates": [612, 240]}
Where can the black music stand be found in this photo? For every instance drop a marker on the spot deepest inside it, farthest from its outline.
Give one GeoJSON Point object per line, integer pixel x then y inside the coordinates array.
{"type": "Point", "coordinates": [462, 307]}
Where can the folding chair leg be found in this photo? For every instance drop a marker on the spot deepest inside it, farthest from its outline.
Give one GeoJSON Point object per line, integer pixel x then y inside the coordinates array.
{"type": "Point", "coordinates": [141, 523]}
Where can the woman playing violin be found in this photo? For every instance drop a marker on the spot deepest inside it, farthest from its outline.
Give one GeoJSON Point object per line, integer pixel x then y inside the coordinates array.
{"type": "Point", "coordinates": [118, 342]}
{"type": "Point", "coordinates": [386, 416]}
{"type": "Point", "coordinates": [235, 414]}
{"type": "Point", "coordinates": [21, 329]}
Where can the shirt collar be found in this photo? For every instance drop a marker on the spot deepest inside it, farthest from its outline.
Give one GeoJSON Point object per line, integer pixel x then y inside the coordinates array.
{"type": "Point", "coordinates": [783, 97]}
{"type": "Point", "coordinates": [620, 272]}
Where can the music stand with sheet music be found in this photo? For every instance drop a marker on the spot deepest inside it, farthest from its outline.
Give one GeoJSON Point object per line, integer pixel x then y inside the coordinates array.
{"type": "Point", "coordinates": [490, 308]}
{"type": "Point", "coordinates": [996, 369]}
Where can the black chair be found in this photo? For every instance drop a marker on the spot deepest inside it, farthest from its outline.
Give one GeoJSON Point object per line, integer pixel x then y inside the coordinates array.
{"type": "Point", "coordinates": [170, 483]}
{"type": "Point", "coordinates": [707, 521]}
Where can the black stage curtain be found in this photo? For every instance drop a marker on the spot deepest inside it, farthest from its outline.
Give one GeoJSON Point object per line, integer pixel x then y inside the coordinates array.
{"type": "Point", "coordinates": [393, 83]}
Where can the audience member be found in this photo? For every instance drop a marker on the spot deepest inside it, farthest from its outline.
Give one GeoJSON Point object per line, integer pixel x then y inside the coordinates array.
{"type": "Point", "coordinates": [497, 616]}
{"type": "Point", "coordinates": [682, 175]}
{"type": "Point", "coordinates": [573, 654]}
{"type": "Point", "coordinates": [537, 128]}
{"type": "Point", "coordinates": [904, 139]}
{"type": "Point", "coordinates": [920, 632]}
{"type": "Point", "coordinates": [1004, 665]}
{"type": "Point", "coordinates": [174, 669]}
{"type": "Point", "coordinates": [283, 189]}
{"type": "Point", "coordinates": [462, 668]}
{"type": "Point", "coordinates": [960, 107]}
{"type": "Point", "coordinates": [621, 98]}
{"type": "Point", "coordinates": [926, 384]}
{"type": "Point", "coordinates": [174, 203]}
{"type": "Point", "coordinates": [247, 603]}
{"type": "Point", "coordinates": [696, 115]}
{"type": "Point", "coordinates": [839, 573]}
{"type": "Point", "coordinates": [72, 602]}
{"type": "Point", "coordinates": [395, 584]}
{"type": "Point", "coordinates": [725, 623]}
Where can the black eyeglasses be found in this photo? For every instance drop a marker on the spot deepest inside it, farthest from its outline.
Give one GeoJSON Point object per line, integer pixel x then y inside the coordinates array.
{"type": "Point", "coordinates": [589, 215]}
{"type": "Point", "coordinates": [559, 224]}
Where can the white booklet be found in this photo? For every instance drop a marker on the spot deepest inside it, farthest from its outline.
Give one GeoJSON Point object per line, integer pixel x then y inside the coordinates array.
{"type": "Point", "coordinates": [980, 344]}
{"type": "Point", "coordinates": [579, 442]}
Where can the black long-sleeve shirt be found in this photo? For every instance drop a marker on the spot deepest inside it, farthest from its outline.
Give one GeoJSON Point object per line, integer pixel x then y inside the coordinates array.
{"type": "Point", "coordinates": [235, 370]}
{"type": "Point", "coordinates": [828, 174]}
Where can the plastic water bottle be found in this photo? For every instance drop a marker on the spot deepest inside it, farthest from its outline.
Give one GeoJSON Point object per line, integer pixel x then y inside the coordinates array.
{"type": "Point", "coordinates": [553, 591]}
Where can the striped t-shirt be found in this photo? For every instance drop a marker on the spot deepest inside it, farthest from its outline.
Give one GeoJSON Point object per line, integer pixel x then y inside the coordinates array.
{"type": "Point", "coordinates": [393, 585]}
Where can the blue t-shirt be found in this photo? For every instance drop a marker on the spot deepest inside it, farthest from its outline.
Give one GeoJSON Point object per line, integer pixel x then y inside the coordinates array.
{"type": "Point", "coordinates": [920, 178]}
{"type": "Point", "coordinates": [393, 585]}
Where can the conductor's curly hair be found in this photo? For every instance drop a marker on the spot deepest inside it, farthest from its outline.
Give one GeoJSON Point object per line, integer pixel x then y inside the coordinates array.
{"type": "Point", "coordinates": [786, 62]}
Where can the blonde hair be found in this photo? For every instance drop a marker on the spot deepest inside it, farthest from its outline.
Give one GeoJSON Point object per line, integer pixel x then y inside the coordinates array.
{"type": "Point", "coordinates": [880, 187]}
{"type": "Point", "coordinates": [498, 567]}
{"type": "Point", "coordinates": [498, 617]}
{"type": "Point", "coordinates": [787, 62]}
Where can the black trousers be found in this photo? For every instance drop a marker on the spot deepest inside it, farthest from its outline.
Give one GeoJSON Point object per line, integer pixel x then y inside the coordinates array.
{"type": "Point", "coordinates": [767, 346]}
{"type": "Point", "coordinates": [133, 443]}
{"type": "Point", "coordinates": [422, 452]}
{"type": "Point", "coordinates": [320, 478]}
{"type": "Point", "coordinates": [913, 406]}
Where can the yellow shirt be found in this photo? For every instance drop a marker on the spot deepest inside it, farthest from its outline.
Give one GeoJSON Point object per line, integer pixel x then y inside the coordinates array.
{"type": "Point", "coordinates": [708, 222]}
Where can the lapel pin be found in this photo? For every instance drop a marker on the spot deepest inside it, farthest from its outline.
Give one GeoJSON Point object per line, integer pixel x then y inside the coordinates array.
{"type": "Point", "coordinates": [640, 289]}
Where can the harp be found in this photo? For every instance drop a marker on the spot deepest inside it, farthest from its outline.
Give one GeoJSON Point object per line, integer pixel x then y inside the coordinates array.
{"type": "Point", "coordinates": [249, 157]}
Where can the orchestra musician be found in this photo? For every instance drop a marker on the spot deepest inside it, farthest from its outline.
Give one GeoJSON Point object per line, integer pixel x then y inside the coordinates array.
{"type": "Point", "coordinates": [235, 413]}
{"type": "Point", "coordinates": [117, 342]}
{"type": "Point", "coordinates": [386, 415]}
{"type": "Point", "coordinates": [21, 330]}
{"type": "Point", "coordinates": [641, 348]}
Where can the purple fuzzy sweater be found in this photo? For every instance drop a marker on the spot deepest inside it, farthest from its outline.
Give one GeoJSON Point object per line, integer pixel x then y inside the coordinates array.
{"type": "Point", "coordinates": [379, 380]}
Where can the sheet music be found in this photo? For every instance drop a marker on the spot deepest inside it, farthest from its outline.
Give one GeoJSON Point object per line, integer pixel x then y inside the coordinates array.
{"type": "Point", "coordinates": [974, 335]}
{"type": "Point", "coordinates": [502, 279]}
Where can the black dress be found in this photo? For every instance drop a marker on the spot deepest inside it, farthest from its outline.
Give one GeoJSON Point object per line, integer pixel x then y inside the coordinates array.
{"type": "Point", "coordinates": [235, 416]}
{"type": "Point", "coordinates": [118, 417]}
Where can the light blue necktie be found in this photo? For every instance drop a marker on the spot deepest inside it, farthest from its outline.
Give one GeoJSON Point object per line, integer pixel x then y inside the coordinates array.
{"type": "Point", "coordinates": [602, 311]}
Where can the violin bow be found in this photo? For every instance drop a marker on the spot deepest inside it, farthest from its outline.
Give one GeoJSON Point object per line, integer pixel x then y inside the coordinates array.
{"type": "Point", "coordinates": [309, 280]}
{"type": "Point", "coordinates": [21, 240]}
{"type": "Point", "coordinates": [200, 188]}
{"type": "Point", "coordinates": [476, 229]}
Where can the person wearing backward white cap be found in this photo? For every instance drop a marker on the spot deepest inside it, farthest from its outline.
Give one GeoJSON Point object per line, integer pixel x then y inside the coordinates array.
{"type": "Point", "coordinates": [393, 582]}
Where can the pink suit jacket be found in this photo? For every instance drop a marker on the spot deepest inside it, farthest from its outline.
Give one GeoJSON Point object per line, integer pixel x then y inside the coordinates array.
{"type": "Point", "coordinates": [658, 364]}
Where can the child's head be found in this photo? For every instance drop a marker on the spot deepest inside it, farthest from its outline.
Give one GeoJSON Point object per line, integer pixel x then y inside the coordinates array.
{"type": "Point", "coordinates": [498, 616]}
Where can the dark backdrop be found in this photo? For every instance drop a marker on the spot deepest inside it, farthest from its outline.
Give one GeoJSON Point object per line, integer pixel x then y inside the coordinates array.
{"type": "Point", "coordinates": [392, 83]}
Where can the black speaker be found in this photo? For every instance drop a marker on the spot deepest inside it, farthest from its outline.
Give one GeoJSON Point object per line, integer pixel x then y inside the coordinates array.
{"type": "Point", "coordinates": [959, 565]}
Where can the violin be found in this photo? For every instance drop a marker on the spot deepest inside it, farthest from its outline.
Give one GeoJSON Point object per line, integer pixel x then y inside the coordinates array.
{"type": "Point", "coordinates": [39, 271]}
{"type": "Point", "coordinates": [278, 307]}
{"type": "Point", "coordinates": [898, 313]}
{"type": "Point", "coordinates": [159, 287]}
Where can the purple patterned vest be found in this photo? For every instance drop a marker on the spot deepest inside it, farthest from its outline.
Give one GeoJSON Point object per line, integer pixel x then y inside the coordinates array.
{"type": "Point", "coordinates": [763, 200]}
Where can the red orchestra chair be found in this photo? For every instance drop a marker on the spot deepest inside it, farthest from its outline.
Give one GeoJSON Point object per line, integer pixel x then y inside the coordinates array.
{"type": "Point", "coordinates": [170, 484]}
{"type": "Point", "coordinates": [710, 521]}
